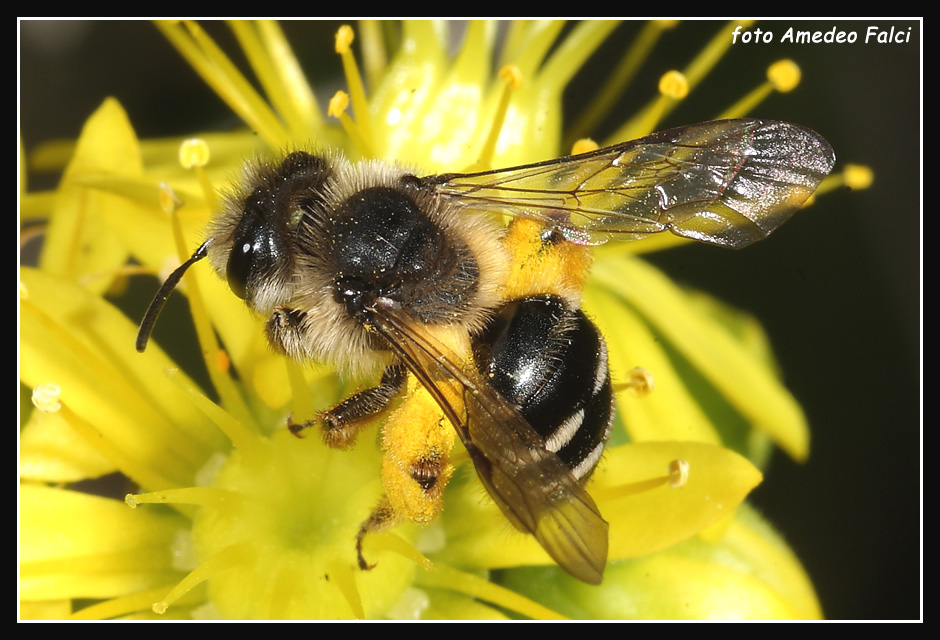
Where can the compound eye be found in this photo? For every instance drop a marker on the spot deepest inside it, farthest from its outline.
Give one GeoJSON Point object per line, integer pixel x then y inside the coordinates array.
{"type": "Point", "coordinates": [238, 269]}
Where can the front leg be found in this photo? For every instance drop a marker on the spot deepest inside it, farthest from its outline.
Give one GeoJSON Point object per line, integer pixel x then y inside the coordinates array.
{"type": "Point", "coordinates": [340, 425]}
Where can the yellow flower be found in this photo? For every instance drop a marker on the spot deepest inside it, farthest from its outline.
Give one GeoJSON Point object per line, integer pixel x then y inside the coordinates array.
{"type": "Point", "coordinates": [236, 518]}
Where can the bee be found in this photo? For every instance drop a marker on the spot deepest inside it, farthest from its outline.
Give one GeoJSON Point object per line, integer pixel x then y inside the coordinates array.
{"type": "Point", "coordinates": [476, 323]}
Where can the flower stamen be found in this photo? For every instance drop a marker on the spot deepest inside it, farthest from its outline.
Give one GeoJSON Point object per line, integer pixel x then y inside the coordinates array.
{"type": "Point", "coordinates": [639, 382]}
{"type": "Point", "coordinates": [337, 109]}
{"type": "Point", "coordinates": [229, 558]}
{"type": "Point", "coordinates": [621, 77]}
{"type": "Point", "coordinates": [46, 397]}
{"type": "Point", "coordinates": [648, 119]}
{"type": "Point", "coordinates": [783, 76]}
{"type": "Point", "coordinates": [357, 91]}
{"type": "Point", "coordinates": [678, 473]}
{"type": "Point", "coordinates": [853, 176]}
{"type": "Point", "coordinates": [446, 577]}
{"type": "Point", "coordinates": [117, 607]}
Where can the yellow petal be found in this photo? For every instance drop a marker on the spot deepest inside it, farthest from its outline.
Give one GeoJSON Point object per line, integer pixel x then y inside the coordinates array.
{"type": "Point", "coordinates": [51, 451]}
{"type": "Point", "coordinates": [741, 376]}
{"type": "Point", "coordinates": [648, 515]}
{"type": "Point", "coordinates": [78, 243]}
{"type": "Point", "coordinates": [632, 491]}
{"type": "Point", "coordinates": [669, 411]}
{"type": "Point", "coordinates": [746, 573]}
{"type": "Point", "coordinates": [74, 545]}
{"type": "Point", "coordinates": [79, 342]}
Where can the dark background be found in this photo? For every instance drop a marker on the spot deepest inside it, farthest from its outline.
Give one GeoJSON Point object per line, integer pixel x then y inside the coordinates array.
{"type": "Point", "coordinates": [838, 289]}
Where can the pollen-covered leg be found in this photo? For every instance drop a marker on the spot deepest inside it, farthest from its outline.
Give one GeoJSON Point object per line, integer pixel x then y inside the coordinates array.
{"type": "Point", "coordinates": [340, 425]}
{"type": "Point", "coordinates": [417, 440]}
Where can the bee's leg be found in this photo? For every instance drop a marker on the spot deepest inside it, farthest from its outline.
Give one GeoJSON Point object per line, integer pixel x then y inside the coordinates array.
{"type": "Point", "coordinates": [417, 440]}
{"type": "Point", "coordinates": [382, 517]}
{"type": "Point", "coordinates": [340, 424]}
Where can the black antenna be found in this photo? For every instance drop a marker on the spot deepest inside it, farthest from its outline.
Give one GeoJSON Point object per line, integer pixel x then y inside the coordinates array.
{"type": "Point", "coordinates": [156, 306]}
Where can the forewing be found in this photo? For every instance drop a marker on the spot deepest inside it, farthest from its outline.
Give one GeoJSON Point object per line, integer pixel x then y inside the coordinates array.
{"type": "Point", "coordinates": [726, 182]}
{"type": "Point", "coordinates": [531, 485]}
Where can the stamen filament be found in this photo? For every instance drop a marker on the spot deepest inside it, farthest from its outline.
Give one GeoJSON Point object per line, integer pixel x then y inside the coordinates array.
{"type": "Point", "coordinates": [212, 497]}
{"type": "Point", "coordinates": [117, 607]}
{"type": "Point", "coordinates": [853, 176]}
{"type": "Point", "coordinates": [243, 439]}
{"type": "Point", "coordinates": [513, 79]}
{"type": "Point", "coordinates": [446, 577]}
{"type": "Point", "coordinates": [608, 494]}
{"type": "Point", "coordinates": [337, 109]}
{"type": "Point", "coordinates": [228, 558]}
{"type": "Point", "coordinates": [648, 119]}
{"type": "Point", "coordinates": [619, 80]}
{"type": "Point", "coordinates": [357, 91]}
{"type": "Point", "coordinates": [783, 76]}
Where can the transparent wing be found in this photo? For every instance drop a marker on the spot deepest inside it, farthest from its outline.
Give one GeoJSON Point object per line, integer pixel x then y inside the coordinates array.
{"type": "Point", "coordinates": [726, 182]}
{"type": "Point", "coordinates": [531, 485]}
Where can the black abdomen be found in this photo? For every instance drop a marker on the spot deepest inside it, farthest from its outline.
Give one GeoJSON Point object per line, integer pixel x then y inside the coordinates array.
{"type": "Point", "coordinates": [551, 363]}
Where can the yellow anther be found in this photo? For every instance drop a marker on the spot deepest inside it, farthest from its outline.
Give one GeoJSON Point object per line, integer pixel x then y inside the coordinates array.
{"type": "Point", "coordinates": [338, 104]}
{"type": "Point", "coordinates": [194, 152]}
{"type": "Point", "coordinates": [169, 201]}
{"type": "Point", "coordinates": [858, 176]}
{"type": "Point", "coordinates": [678, 473]}
{"type": "Point", "coordinates": [222, 360]}
{"type": "Point", "coordinates": [583, 146]}
{"type": "Point", "coordinates": [511, 75]}
{"type": "Point", "coordinates": [674, 85]}
{"type": "Point", "coordinates": [784, 75]}
{"type": "Point", "coordinates": [344, 38]}
{"type": "Point", "coordinates": [639, 382]}
{"type": "Point", "coordinates": [46, 397]}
